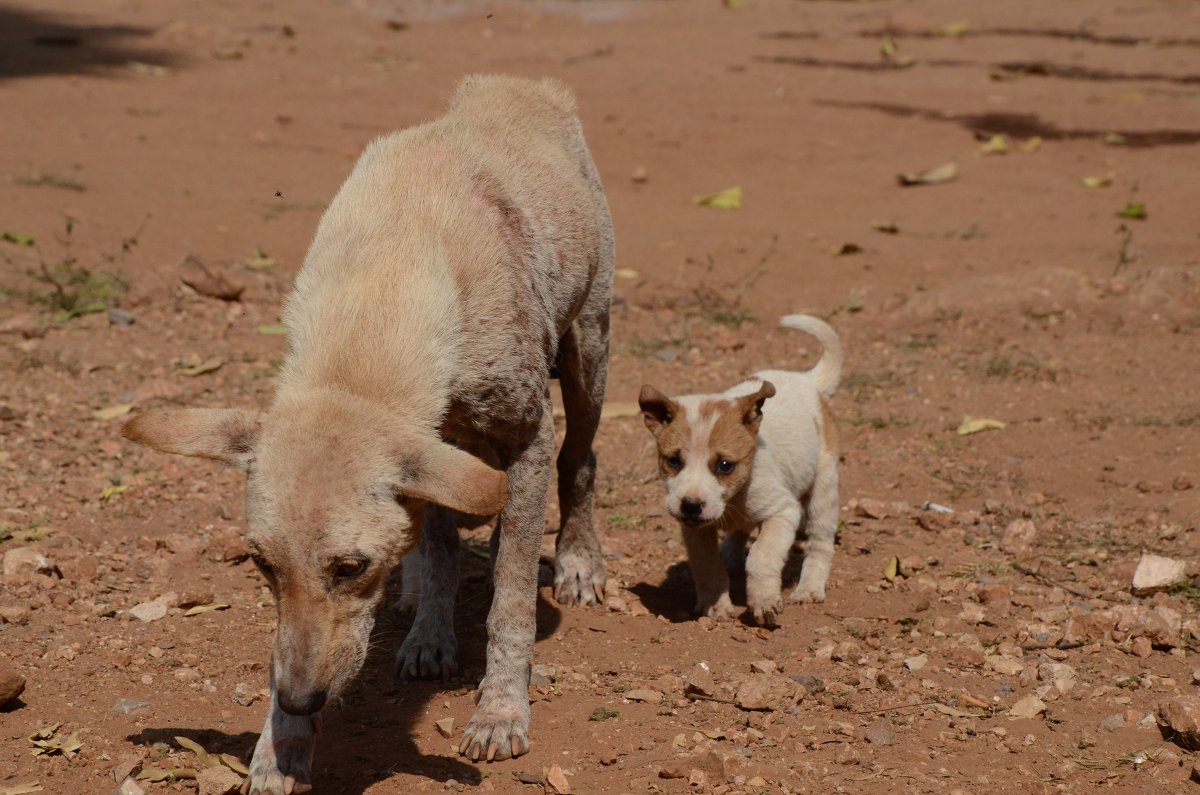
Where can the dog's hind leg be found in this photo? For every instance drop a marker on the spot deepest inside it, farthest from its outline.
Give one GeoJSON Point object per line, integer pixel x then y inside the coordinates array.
{"type": "Point", "coordinates": [430, 649]}
{"type": "Point", "coordinates": [820, 528]}
{"type": "Point", "coordinates": [499, 728]}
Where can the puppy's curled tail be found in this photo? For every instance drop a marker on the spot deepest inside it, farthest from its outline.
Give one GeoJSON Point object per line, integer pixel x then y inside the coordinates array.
{"type": "Point", "coordinates": [828, 371]}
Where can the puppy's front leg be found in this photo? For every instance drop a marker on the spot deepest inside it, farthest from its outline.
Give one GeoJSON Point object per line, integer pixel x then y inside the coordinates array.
{"type": "Point", "coordinates": [282, 763]}
{"type": "Point", "coordinates": [499, 729]}
{"type": "Point", "coordinates": [708, 572]}
{"type": "Point", "coordinates": [764, 564]}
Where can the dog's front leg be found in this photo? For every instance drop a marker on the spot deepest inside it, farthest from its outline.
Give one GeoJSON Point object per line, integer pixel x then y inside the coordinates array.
{"type": "Point", "coordinates": [764, 564]}
{"type": "Point", "coordinates": [430, 649]}
{"type": "Point", "coordinates": [282, 763]}
{"type": "Point", "coordinates": [499, 729]}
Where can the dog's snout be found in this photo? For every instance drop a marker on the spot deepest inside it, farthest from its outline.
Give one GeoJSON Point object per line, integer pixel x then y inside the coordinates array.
{"type": "Point", "coordinates": [303, 702]}
{"type": "Point", "coordinates": [691, 507]}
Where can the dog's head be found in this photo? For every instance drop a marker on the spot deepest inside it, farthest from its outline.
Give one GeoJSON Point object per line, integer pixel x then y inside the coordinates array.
{"type": "Point", "coordinates": [335, 496]}
{"type": "Point", "coordinates": [706, 448]}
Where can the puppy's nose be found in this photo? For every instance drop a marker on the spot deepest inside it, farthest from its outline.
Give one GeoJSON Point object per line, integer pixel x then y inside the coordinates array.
{"type": "Point", "coordinates": [302, 703]}
{"type": "Point", "coordinates": [691, 507]}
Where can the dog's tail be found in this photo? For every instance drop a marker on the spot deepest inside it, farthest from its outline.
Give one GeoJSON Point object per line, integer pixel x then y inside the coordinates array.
{"type": "Point", "coordinates": [828, 371]}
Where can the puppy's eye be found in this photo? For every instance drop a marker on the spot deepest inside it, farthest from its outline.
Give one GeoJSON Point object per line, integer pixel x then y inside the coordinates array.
{"type": "Point", "coordinates": [725, 466]}
{"type": "Point", "coordinates": [349, 568]}
{"type": "Point", "coordinates": [673, 462]}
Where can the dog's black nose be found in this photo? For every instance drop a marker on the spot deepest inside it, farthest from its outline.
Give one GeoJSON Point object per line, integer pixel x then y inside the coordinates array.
{"type": "Point", "coordinates": [691, 507]}
{"type": "Point", "coordinates": [302, 703]}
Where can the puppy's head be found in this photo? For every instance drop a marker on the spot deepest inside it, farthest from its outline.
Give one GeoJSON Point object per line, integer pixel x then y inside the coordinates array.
{"type": "Point", "coordinates": [706, 448]}
{"type": "Point", "coordinates": [335, 496]}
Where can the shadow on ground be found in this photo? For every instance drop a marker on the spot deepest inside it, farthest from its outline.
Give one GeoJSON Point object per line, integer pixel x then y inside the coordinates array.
{"type": "Point", "coordinates": [36, 43]}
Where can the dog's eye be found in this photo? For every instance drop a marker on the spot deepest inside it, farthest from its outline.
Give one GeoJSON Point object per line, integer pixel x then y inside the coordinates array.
{"type": "Point", "coordinates": [673, 462]}
{"type": "Point", "coordinates": [725, 466]}
{"type": "Point", "coordinates": [349, 568]}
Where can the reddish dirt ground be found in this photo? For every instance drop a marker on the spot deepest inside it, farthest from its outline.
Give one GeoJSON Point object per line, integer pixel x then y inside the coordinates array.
{"type": "Point", "coordinates": [1013, 292]}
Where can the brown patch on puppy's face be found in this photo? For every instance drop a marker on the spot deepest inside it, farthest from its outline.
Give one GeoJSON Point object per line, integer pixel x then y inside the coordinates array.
{"type": "Point", "coordinates": [706, 449]}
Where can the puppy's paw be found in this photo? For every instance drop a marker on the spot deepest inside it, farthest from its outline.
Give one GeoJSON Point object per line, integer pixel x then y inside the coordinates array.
{"type": "Point", "coordinates": [579, 577]}
{"type": "Point", "coordinates": [766, 611]}
{"type": "Point", "coordinates": [427, 653]}
{"type": "Point", "coordinates": [715, 606]}
{"type": "Point", "coordinates": [499, 729]}
{"type": "Point", "coordinates": [808, 593]}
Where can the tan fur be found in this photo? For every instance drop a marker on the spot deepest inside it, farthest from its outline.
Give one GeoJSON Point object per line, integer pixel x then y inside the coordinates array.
{"type": "Point", "coordinates": [460, 261]}
{"type": "Point", "coordinates": [783, 458]}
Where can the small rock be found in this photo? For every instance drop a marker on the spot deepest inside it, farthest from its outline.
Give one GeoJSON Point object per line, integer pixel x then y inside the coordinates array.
{"type": "Point", "coordinates": [129, 786]}
{"type": "Point", "coordinates": [556, 781]}
{"type": "Point", "coordinates": [847, 755]}
{"type": "Point", "coordinates": [14, 614]}
{"type": "Point", "coordinates": [1141, 647]}
{"type": "Point", "coordinates": [208, 282]}
{"type": "Point", "coordinates": [671, 771]}
{"type": "Point", "coordinates": [763, 666]}
{"type": "Point", "coordinates": [1061, 675]}
{"type": "Point", "coordinates": [645, 695]}
{"type": "Point", "coordinates": [12, 685]}
{"type": "Point", "coordinates": [1156, 573]}
{"type": "Point", "coordinates": [543, 674]}
{"type": "Point", "coordinates": [915, 664]}
{"type": "Point", "coordinates": [767, 691]}
{"type": "Point", "coordinates": [243, 694]}
{"type": "Point", "coordinates": [872, 509]}
{"type": "Point", "coordinates": [640, 175]}
{"type": "Point", "coordinates": [1028, 707]}
{"type": "Point", "coordinates": [1113, 722]}
{"type": "Point", "coordinates": [813, 684]}
{"type": "Point", "coordinates": [128, 706]}
{"type": "Point", "coordinates": [1018, 536]}
{"type": "Point", "coordinates": [1004, 664]}
{"type": "Point", "coordinates": [1182, 717]}
{"type": "Point", "coordinates": [1182, 483]}
{"type": "Point", "coordinates": [616, 604]}
{"type": "Point", "coordinates": [700, 681]}
{"type": "Point", "coordinates": [881, 733]}
{"type": "Point", "coordinates": [149, 611]}
{"type": "Point", "coordinates": [445, 726]}
{"type": "Point", "coordinates": [1196, 676]}
{"type": "Point", "coordinates": [119, 317]}
{"type": "Point", "coordinates": [27, 559]}
{"type": "Point", "coordinates": [188, 599]}
{"type": "Point", "coordinates": [218, 780]}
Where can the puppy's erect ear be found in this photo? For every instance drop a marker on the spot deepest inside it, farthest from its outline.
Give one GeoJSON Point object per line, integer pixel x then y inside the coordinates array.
{"type": "Point", "coordinates": [751, 406]}
{"type": "Point", "coordinates": [441, 473]}
{"type": "Point", "coordinates": [227, 435]}
{"type": "Point", "coordinates": [657, 409]}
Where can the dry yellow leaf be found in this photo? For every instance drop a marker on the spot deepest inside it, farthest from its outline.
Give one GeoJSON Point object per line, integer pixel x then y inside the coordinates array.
{"type": "Point", "coordinates": [1102, 181]}
{"type": "Point", "coordinates": [971, 425]}
{"type": "Point", "coordinates": [996, 145]}
{"type": "Point", "coordinates": [112, 412]}
{"type": "Point", "coordinates": [728, 199]}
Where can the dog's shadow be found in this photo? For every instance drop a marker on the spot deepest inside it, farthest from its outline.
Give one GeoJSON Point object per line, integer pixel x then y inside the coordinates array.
{"type": "Point", "coordinates": [674, 598]}
{"type": "Point", "coordinates": [367, 737]}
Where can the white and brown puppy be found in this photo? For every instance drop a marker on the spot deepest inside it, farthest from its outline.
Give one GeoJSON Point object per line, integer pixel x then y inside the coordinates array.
{"type": "Point", "coordinates": [734, 461]}
{"type": "Point", "coordinates": [461, 261]}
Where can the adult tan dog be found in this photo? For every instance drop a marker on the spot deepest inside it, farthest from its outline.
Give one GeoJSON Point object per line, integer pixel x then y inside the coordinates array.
{"type": "Point", "coordinates": [459, 263]}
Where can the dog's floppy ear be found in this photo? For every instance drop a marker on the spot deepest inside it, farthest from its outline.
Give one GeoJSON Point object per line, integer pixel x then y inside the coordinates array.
{"type": "Point", "coordinates": [751, 406]}
{"type": "Point", "coordinates": [441, 473]}
{"type": "Point", "coordinates": [227, 435]}
{"type": "Point", "coordinates": [657, 409]}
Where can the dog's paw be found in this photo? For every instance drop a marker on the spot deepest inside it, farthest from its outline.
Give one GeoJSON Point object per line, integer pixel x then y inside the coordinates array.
{"type": "Point", "coordinates": [808, 593]}
{"type": "Point", "coordinates": [427, 654]}
{"type": "Point", "coordinates": [766, 611]}
{"type": "Point", "coordinates": [715, 606]}
{"type": "Point", "coordinates": [499, 729]}
{"type": "Point", "coordinates": [579, 577]}
{"type": "Point", "coordinates": [282, 763]}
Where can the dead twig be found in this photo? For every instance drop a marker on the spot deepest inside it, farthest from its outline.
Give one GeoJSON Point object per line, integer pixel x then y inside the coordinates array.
{"type": "Point", "coordinates": [1042, 578]}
